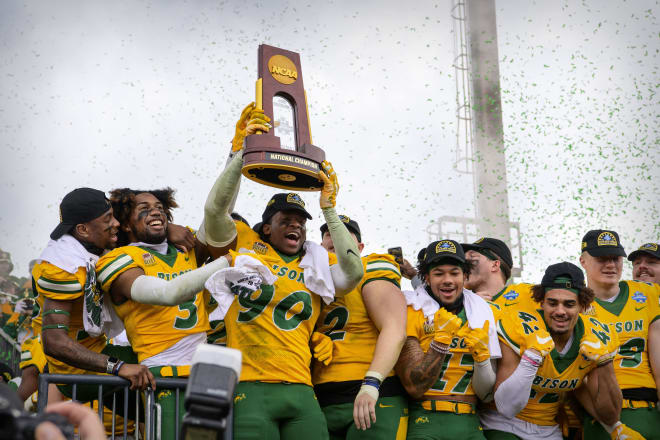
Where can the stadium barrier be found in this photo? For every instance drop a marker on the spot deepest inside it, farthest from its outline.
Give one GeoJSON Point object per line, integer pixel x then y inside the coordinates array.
{"type": "Point", "coordinates": [10, 352]}
{"type": "Point", "coordinates": [108, 387]}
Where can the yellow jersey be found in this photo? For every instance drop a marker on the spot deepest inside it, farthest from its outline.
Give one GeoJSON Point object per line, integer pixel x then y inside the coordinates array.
{"type": "Point", "coordinates": [272, 327]}
{"type": "Point", "coordinates": [152, 329]}
{"type": "Point", "coordinates": [455, 377]}
{"type": "Point", "coordinates": [52, 282]}
{"type": "Point", "coordinates": [518, 296]}
{"type": "Point", "coordinates": [347, 323]}
{"type": "Point", "coordinates": [558, 374]}
{"type": "Point", "coordinates": [630, 316]}
{"type": "Point", "coordinates": [217, 333]}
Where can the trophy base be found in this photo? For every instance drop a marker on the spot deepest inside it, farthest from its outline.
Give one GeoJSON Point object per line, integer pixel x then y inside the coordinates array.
{"type": "Point", "coordinates": [280, 168]}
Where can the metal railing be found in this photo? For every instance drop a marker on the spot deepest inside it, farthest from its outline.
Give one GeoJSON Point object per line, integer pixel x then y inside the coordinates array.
{"type": "Point", "coordinates": [108, 388]}
{"type": "Point", "coordinates": [10, 351]}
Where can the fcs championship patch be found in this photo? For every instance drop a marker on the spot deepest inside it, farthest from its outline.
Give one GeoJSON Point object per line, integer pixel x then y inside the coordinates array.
{"type": "Point", "coordinates": [295, 198]}
{"type": "Point", "coordinates": [344, 218]}
{"type": "Point", "coordinates": [445, 246]}
{"type": "Point", "coordinates": [480, 240]}
{"type": "Point", "coordinates": [639, 297]}
{"type": "Point", "coordinates": [428, 326]}
{"type": "Point", "coordinates": [259, 247]}
{"type": "Point", "coordinates": [649, 247]}
{"type": "Point", "coordinates": [148, 259]}
{"type": "Point", "coordinates": [606, 239]}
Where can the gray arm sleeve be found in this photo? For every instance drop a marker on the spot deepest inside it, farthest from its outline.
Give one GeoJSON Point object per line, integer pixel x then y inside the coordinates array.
{"type": "Point", "coordinates": [153, 290]}
{"type": "Point", "coordinates": [350, 270]}
{"type": "Point", "coordinates": [483, 379]}
{"type": "Point", "coordinates": [219, 228]}
{"type": "Point", "coordinates": [513, 394]}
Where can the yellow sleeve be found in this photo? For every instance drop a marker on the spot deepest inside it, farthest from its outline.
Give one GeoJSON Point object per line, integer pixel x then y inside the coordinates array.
{"type": "Point", "coordinates": [412, 323]}
{"type": "Point", "coordinates": [380, 267]}
{"type": "Point", "coordinates": [654, 309]}
{"type": "Point", "coordinates": [245, 236]}
{"type": "Point", "coordinates": [509, 330]}
{"type": "Point", "coordinates": [58, 284]}
{"type": "Point", "coordinates": [111, 265]}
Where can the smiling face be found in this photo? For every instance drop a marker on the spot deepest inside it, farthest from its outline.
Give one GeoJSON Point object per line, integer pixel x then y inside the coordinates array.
{"type": "Point", "coordinates": [286, 231]}
{"type": "Point", "coordinates": [646, 268]}
{"type": "Point", "coordinates": [446, 282]}
{"type": "Point", "coordinates": [148, 221]}
{"type": "Point", "coordinates": [102, 231]}
{"type": "Point", "coordinates": [603, 271]}
{"type": "Point", "coordinates": [560, 311]}
{"type": "Point", "coordinates": [482, 268]}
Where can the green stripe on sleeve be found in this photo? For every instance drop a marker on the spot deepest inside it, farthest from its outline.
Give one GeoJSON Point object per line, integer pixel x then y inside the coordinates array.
{"type": "Point", "coordinates": [113, 267]}
{"type": "Point", "coordinates": [383, 279]}
{"type": "Point", "coordinates": [59, 286]}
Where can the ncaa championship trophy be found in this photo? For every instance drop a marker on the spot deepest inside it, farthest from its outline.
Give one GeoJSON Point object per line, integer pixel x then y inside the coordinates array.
{"type": "Point", "coordinates": [265, 160]}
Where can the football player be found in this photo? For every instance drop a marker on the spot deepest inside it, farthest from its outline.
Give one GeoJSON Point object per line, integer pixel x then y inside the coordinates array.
{"type": "Point", "coordinates": [490, 270]}
{"type": "Point", "coordinates": [646, 263]}
{"type": "Point", "coordinates": [547, 353]}
{"type": "Point", "coordinates": [364, 330]}
{"type": "Point", "coordinates": [445, 364]}
{"type": "Point", "coordinates": [631, 309]}
{"type": "Point", "coordinates": [61, 278]}
{"type": "Point", "coordinates": [273, 326]}
{"type": "Point", "coordinates": [155, 290]}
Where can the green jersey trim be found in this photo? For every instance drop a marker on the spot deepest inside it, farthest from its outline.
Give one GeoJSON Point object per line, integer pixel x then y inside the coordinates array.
{"type": "Point", "coordinates": [383, 279]}
{"type": "Point", "coordinates": [169, 258]}
{"type": "Point", "coordinates": [110, 269]}
{"type": "Point", "coordinates": [287, 258]}
{"type": "Point", "coordinates": [617, 306]}
{"type": "Point", "coordinates": [54, 286]}
{"type": "Point", "coordinates": [562, 362]}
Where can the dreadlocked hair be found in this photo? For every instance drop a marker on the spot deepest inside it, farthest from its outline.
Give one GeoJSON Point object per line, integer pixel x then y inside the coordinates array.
{"type": "Point", "coordinates": [123, 202]}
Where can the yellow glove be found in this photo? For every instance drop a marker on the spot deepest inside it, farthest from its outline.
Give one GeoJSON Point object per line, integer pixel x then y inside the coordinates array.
{"type": "Point", "coordinates": [330, 185]}
{"type": "Point", "coordinates": [477, 341]}
{"type": "Point", "coordinates": [540, 341]}
{"type": "Point", "coordinates": [623, 432]}
{"type": "Point", "coordinates": [322, 347]}
{"type": "Point", "coordinates": [593, 349]}
{"type": "Point", "coordinates": [251, 120]}
{"type": "Point", "coordinates": [446, 324]}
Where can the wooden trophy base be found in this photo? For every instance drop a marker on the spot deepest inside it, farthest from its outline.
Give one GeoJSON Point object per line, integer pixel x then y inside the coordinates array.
{"type": "Point", "coordinates": [265, 162]}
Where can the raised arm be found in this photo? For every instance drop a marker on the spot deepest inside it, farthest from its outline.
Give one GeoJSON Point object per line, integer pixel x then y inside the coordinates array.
{"type": "Point", "coordinates": [348, 273]}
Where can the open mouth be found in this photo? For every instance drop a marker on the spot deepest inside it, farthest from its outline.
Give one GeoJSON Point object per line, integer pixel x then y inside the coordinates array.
{"type": "Point", "coordinates": [292, 238]}
{"type": "Point", "coordinates": [155, 224]}
{"type": "Point", "coordinates": [447, 291]}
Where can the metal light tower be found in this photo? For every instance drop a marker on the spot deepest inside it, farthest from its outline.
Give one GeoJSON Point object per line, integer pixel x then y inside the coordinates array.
{"type": "Point", "coordinates": [479, 140]}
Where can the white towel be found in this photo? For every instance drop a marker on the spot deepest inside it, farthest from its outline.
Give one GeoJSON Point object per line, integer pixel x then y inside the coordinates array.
{"type": "Point", "coordinates": [318, 278]}
{"type": "Point", "coordinates": [67, 253]}
{"type": "Point", "coordinates": [477, 312]}
{"type": "Point", "coordinates": [243, 275]}
{"type": "Point", "coordinates": [161, 248]}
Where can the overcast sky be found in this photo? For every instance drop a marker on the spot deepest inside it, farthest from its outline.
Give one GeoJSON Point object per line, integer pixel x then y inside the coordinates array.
{"type": "Point", "coordinates": [146, 94]}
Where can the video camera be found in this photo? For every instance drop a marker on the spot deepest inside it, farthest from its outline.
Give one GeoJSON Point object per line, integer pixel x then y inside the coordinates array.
{"type": "Point", "coordinates": [210, 393]}
{"type": "Point", "coordinates": [17, 424]}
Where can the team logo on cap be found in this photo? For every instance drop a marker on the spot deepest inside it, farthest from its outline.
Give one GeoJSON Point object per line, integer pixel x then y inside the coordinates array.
{"type": "Point", "coordinates": [584, 244]}
{"type": "Point", "coordinates": [445, 246]}
{"type": "Point", "coordinates": [639, 297]}
{"type": "Point", "coordinates": [259, 247]}
{"type": "Point", "coordinates": [344, 218]}
{"type": "Point", "coordinates": [649, 247]}
{"type": "Point", "coordinates": [295, 198]}
{"type": "Point", "coordinates": [480, 240]}
{"type": "Point", "coordinates": [607, 239]}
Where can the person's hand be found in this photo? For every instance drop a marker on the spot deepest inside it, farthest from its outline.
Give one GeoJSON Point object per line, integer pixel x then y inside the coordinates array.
{"type": "Point", "coordinates": [477, 341]}
{"type": "Point", "coordinates": [321, 347]}
{"type": "Point", "coordinates": [594, 350]}
{"type": "Point", "coordinates": [24, 306]}
{"type": "Point", "coordinates": [87, 421]}
{"type": "Point", "coordinates": [330, 185]}
{"type": "Point", "coordinates": [624, 432]}
{"type": "Point", "coordinates": [364, 408]}
{"type": "Point", "coordinates": [446, 324]}
{"type": "Point", "coordinates": [181, 237]}
{"type": "Point", "coordinates": [539, 341]}
{"type": "Point", "coordinates": [251, 120]}
{"type": "Point", "coordinates": [407, 270]}
{"type": "Point", "coordinates": [139, 375]}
